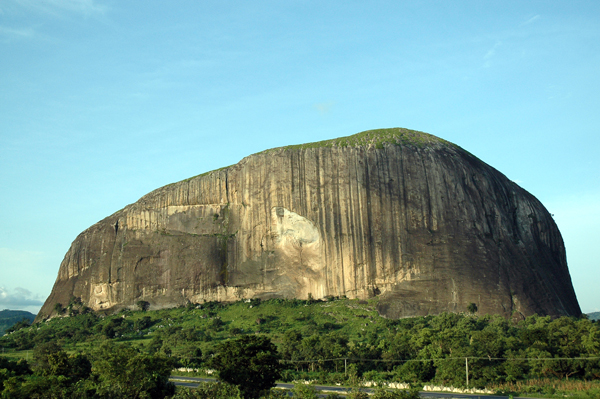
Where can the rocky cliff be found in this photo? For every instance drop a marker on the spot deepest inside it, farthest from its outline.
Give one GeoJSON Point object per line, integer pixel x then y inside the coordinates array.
{"type": "Point", "coordinates": [394, 213]}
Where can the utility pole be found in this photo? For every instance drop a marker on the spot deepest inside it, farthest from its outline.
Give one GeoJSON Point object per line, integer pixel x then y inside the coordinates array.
{"type": "Point", "coordinates": [345, 368]}
{"type": "Point", "coordinates": [467, 369]}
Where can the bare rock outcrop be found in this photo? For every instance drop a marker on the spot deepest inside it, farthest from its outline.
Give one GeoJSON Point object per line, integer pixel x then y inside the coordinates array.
{"type": "Point", "coordinates": [394, 213]}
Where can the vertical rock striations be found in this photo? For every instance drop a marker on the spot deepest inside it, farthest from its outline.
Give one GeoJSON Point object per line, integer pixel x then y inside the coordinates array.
{"type": "Point", "coordinates": [396, 213]}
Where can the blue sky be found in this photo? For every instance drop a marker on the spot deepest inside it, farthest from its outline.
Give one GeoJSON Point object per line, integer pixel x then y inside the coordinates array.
{"type": "Point", "coordinates": [104, 101]}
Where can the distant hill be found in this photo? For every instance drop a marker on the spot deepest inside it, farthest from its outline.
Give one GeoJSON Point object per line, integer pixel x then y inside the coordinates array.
{"type": "Point", "coordinates": [594, 316]}
{"type": "Point", "coordinates": [9, 317]}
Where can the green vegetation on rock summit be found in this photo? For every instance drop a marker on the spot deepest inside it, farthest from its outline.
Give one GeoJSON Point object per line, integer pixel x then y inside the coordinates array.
{"type": "Point", "coordinates": [377, 138]}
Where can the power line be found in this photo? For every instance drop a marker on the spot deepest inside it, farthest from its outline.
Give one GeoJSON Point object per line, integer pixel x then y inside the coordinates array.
{"type": "Point", "coordinates": [466, 359]}
{"type": "Point", "coordinates": [437, 359]}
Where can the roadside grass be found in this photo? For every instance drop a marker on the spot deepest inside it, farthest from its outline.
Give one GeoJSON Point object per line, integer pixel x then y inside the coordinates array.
{"type": "Point", "coordinates": [550, 388]}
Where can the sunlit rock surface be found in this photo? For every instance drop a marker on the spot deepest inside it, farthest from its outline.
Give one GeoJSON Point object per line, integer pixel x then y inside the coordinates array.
{"type": "Point", "coordinates": [394, 213]}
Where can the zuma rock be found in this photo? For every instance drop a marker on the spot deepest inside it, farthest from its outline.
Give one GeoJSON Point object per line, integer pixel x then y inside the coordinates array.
{"type": "Point", "coordinates": [394, 213]}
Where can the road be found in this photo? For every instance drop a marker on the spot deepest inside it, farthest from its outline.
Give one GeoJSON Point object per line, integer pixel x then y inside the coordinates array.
{"type": "Point", "coordinates": [192, 382]}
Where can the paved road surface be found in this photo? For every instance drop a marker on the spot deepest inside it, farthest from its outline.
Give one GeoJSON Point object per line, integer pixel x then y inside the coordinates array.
{"type": "Point", "coordinates": [192, 382]}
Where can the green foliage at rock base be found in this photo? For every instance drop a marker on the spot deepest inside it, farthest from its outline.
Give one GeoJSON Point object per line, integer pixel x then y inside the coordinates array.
{"type": "Point", "coordinates": [314, 338]}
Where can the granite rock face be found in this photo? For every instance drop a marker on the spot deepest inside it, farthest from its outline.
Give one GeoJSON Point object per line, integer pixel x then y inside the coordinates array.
{"type": "Point", "coordinates": [394, 213]}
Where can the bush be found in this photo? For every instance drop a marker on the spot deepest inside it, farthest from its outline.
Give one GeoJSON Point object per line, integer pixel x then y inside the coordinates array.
{"type": "Point", "coordinates": [304, 391]}
{"type": "Point", "coordinates": [357, 394]}
{"type": "Point", "coordinates": [381, 393]}
{"type": "Point", "coordinates": [210, 390]}
{"type": "Point", "coordinates": [143, 305]}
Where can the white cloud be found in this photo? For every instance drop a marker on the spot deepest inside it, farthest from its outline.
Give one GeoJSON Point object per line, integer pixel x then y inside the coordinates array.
{"type": "Point", "coordinates": [17, 33]}
{"type": "Point", "coordinates": [57, 7]}
{"type": "Point", "coordinates": [324, 108]}
{"type": "Point", "coordinates": [85, 7]}
{"type": "Point", "coordinates": [19, 298]}
{"type": "Point", "coordinates": [54, 8]}
{"type": "Point", "coordinates": [490, 54]}
{"type": "Point", "coordinates": [19, 268]}
{"type": "Point", "coordinates": [531, 20]}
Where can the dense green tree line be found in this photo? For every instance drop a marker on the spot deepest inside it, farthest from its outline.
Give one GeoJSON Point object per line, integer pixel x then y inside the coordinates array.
{"type": "Point", "coordinates": [248, 368]}
{"type": "Point", "coordinates": [331, 341]}
{"type": "Point", "coordinates": [110, 371]}
{"type": "Point", "coordinates": [437, 348]}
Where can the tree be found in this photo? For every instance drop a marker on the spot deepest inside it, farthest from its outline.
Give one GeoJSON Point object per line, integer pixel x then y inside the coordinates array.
{"type": "Point", "coordinates": [472, 308]}
{"type": "Point", "coordinates": [112, 328]}
{"type": "Point", "coordinates": [56, 375]}
{"type": "Point", "coordinates": [303, 391]}
{"type": "Point", "coordinates": [58, 308]}
{"type": "Point", "coordinates": [10, 369]}
{"type": "Point", "coordinates": [143, 323]}
{"type": "Point", "coordinates": [18, 325]}
{"type": "Point", "coordinates": [143, 305]}
{"type": "Point", "coordinates": [250, 362]}
{"type": "Point", "coordinates": [51, 360]}
{"type": "Point", "coordinates": [190, 356]}
{"type": "Point", "coordinates": [291, 345]}
{"type": "Point", "coordinates": [124, 372]}
{"type": "Point", "coordinates": [42, 354]}
{"type": "Point", "coordinates": [74, 302]}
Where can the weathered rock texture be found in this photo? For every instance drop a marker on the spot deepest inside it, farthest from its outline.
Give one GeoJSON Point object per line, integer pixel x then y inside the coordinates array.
{"type": "Point", "coordinates": [403, 215]}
